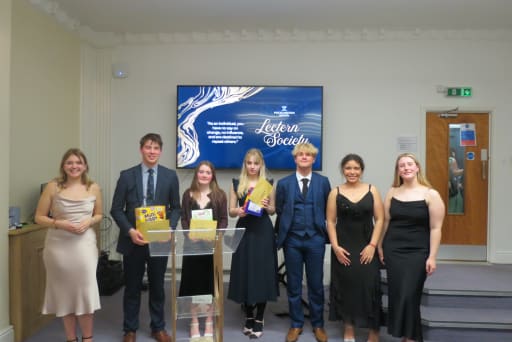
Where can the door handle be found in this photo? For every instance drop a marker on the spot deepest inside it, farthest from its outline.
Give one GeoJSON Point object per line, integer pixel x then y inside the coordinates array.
{"type": "Point", "coordinates": [484, 157]}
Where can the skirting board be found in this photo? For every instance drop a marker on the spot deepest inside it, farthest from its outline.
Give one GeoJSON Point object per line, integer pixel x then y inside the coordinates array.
{"type": "Point", "coordinates": [7, 334]}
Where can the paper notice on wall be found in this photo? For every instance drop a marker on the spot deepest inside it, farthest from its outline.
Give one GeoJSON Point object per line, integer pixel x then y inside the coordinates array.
{"type": "Point", "coordinates": [467, 134]}
{"type": "Point", "coordinates": [407, 144]}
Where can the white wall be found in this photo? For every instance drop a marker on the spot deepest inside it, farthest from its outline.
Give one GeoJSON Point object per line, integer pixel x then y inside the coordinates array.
{"type": "Point", "coordinates": [6, 331]}
{"type": "Point", "coordinates": [374, 92]}
{"type": "Point", "coordinates": [45, 102]}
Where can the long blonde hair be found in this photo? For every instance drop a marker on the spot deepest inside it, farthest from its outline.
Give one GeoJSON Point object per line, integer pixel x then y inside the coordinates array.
{"type": "Point", "coordinates": [243, 186]}
{"type": "Point", "coordinates": [397, 181]}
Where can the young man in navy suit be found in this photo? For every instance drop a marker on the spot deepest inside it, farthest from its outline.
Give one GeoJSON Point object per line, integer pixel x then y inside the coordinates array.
{"type": "Point", "coordinates": [147, 183]}
{"type": "Point", "coordinates": [300, 205]}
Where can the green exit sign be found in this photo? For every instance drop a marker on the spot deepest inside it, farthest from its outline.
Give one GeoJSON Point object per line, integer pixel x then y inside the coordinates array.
{"type": "Point", "coordinates": [459, 91]}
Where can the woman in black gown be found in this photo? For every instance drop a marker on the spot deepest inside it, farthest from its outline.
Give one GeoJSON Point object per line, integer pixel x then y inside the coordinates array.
{"type": "Point", "coordinates": [253, 279]}
{"type": "Point", "coordinates": [414, 214]}
{"type": "Point", "coordinates": [354, 223]}
{"type": "Point", "coordinates": [197, 270]}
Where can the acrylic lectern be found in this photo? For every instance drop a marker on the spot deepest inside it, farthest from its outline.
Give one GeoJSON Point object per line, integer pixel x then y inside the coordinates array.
{"type": "Point", "coordinates": [175, 243]}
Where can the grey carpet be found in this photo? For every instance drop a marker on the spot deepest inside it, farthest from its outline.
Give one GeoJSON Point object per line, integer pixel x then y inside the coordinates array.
{"type": "Point", "coordinates": [458, 278]}
{"type": "Point", "coordinates": [108, 324]}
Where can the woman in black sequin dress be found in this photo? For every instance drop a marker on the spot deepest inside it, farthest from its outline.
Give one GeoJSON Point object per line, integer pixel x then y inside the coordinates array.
{"type": "Point", "coordinates": [354, 222]}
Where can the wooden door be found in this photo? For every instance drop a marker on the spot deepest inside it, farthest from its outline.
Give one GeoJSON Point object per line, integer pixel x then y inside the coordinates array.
{"type": "Point", "coordinates": [457, 153]}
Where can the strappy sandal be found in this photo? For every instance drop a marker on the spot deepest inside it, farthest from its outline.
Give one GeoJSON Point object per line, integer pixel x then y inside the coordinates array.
{"type": "Point", "coordinates": [208, 329]}
{"type": "Point", "coordinates": [257, 330]}
{"type": "Point", "coordinates": [74, 340]}
{"type": "Point", "coordinates": [249, 324]}
{"type": "Point", "coordinates": [194, 330]}
{"type": "Point", "coordinates": [86, 338]}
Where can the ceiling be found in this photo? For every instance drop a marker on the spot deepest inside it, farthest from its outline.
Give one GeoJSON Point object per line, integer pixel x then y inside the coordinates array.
{"type": "Point", "coordinates": [182, 16]}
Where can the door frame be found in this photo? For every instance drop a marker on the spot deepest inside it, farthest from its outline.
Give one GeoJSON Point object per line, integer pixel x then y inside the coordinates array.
{"type": "Point", "coordinates": [459, 252]}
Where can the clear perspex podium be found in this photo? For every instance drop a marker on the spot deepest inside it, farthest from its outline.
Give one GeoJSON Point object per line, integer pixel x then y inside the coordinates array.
{"type": "Point", "coordinates": [175, 243]}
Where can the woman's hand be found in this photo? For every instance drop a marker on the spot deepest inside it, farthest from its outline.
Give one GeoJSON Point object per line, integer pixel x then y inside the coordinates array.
{"type": "Point", "coordinates": [241, 212]}
{"type": "Point", "coordinates": [342, 255]}
{"type": "Point", "coordinates": [430, 266]}
{"type": "Point", "coordinates": [381, 254]}
{"type": "Point", "coordinates": [265, 204]}
{"type": "Point", "coordinates": [367, 254]}
{"type": "Point", "coordinates": [65, 225]}
{"type": "Point", "coordinates": [83, 225]}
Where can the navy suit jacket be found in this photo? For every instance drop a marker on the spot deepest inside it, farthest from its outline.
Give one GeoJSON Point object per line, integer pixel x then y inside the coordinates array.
{"type": "Point", "coordinates": [129, 195]}
{"type": "Point", "coordinates": [285, 196]}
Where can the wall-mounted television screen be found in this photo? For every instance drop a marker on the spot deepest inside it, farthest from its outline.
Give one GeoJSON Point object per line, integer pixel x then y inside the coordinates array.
{"type": "Point", "coordinates": [220, 123]}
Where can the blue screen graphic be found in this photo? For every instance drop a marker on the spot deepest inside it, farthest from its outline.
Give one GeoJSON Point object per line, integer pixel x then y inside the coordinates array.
{"type": "Point", "coordinates": [220, 123]}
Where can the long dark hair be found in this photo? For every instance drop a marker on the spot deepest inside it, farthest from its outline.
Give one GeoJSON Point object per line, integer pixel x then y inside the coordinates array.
{"type": "Point", "coordinates": [354, 157]}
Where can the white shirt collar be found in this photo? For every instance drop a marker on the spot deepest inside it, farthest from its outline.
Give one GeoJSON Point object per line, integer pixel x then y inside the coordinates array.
{"type": "Point", "coordinates": [300, 177]}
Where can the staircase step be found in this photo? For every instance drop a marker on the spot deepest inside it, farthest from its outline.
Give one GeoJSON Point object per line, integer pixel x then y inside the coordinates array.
{"type": "Point", "coordinates": [466, 318]}
{"type": "Point", "coordinates": [465, 302]}
{"type": "Point", "coordinates": [468, 301]}
{"type": "Point", "coordinates": [500, 319]}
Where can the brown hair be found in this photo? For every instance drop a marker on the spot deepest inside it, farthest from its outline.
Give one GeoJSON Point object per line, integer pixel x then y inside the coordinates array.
{"type": "Point", "coordinates": [154, 137]}
{"type": "Point", "coordinates": [214, 186]}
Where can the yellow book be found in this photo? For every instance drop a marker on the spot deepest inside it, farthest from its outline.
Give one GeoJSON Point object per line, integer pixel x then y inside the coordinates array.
{"type": "Point", "coordinates": [262, 190]}
{"type": "Point", "coordinates": [202, 229]}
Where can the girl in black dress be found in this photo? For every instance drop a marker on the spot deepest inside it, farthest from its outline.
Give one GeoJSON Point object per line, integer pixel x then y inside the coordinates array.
{"type": "Point", "coordinates": [253, 279]}
{"type": "Point", "coordinates": [414, 214]}
{"type": "Point", "coordinates": [355, 215]}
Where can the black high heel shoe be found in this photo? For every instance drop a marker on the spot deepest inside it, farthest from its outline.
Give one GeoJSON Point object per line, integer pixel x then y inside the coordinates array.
{"type": "Point", "coordinates": [249, 324]}
{"type": "Point", "coordinates": [257, 330]}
